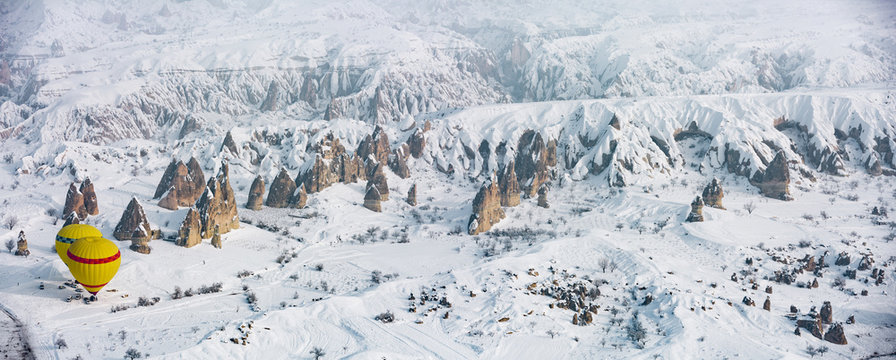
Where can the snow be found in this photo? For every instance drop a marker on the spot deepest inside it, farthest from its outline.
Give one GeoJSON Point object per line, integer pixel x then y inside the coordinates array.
{"type": "Point", "coordinates": [122, 101]}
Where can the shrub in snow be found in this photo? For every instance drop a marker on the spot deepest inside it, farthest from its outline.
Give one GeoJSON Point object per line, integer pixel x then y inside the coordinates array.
{"type": "Point", "coordinates": [385, 317]}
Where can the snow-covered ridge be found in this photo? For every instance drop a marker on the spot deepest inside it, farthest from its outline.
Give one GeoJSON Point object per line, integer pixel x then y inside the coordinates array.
{"type": "Point", "coordinates": [153, 65]}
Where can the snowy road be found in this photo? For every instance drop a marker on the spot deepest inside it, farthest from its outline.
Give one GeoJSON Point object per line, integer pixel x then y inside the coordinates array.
{"type": "Point", "coordinates": [13, 342]}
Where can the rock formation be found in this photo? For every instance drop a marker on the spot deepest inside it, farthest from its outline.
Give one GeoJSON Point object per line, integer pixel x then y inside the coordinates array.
{"type": "Point", "coordinates": [826, 313]}
{"type": "Point", "coordinates": [767, 305]}
{"type": "Point", "coordinates": [217, 205]}
{"type": "Point", "coordinates": [378, 179]}
{"type": "Point", "coordinates": [90, 202]}
{"type": "Point", "coordinates": [533, 161]}
{"type": "Point", "coordinates": [282, 189]}
{"type": "Point", "coordinates": [417, 143]}
{"type": "Point", "coordinates": [842, 259]}
{"type": "Point", "coordinates": [216, 238]}
{"type": "Point", "coordinates": [835, 335]}
{"type": "Point", "coordinates": [813, 325]}
{"type": "Point", "coordinates": [256, 193]}
{"type": "Point", "coordinates": [299, 198]}
{"type": "Point", "coordinates": [133, 224]}
{"type": "Point", "coordinates": [74, 203]}
{"type": "Point", "coordinates": [372, 198]}
{"type": "Point", "coordinates": [317, 177]}
{"type": "Point", "coordinates": [486, 208]}
{"type": "Point", "coordinates": [375, 145]}
{"type": "Point", "coordinates": [229, 144]}
{"type": "Point", "coordinates": [181, 184]}
{"type": "Point", "coordinates": [398, 164]}
{"type": "Point", "coordinates": [774, 181]}
{"type": "Point", "coordinates": [696, 214]}
{"type": "Point", "coordinates": [713, 194]}
{"type": "Point", "coordinates": [412, 195]}
{"type": "Point", "coordinates": [189, 233]}
{"type": "Point", "coordinates": [72, 218]}
{"type": "Point", "coordinates": [543, 196]}
{"type": "Point", "coordinates": [22, 245]}
{"type": "Point", "coordinates": [508, 185]}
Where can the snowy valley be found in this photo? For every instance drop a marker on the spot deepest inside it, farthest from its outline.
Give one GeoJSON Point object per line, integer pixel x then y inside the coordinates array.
{"type": "Point", "coordinates": [452, 180]}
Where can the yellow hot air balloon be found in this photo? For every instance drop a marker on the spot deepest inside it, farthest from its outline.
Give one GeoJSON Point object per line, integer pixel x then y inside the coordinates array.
{"type": "Point", "coordinates": [71, 233]}
{"type": "Point", "coordinates": [94, 262]}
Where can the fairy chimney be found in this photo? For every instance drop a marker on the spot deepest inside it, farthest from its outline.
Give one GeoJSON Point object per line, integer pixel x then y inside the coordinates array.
{"type": "Point", "coordinates": [189, 233]}
{"type": "Point", "coordinates": [713, 194]}
{"type": "Point", "coordinates": [74, 203]}
{"type": "Point", "coordinates": [90, 202]}
{"type": "Point", "coordinates": [282, 189]}
{"type": "Point", "coordinates": [412, 195]}
{"type": "Point", "coordinates": [256, 194]}
{"type": "Point", "coordinates": [133, 224]}
{"type": "Point", "coordinates": [372, 198]}
{"type": "Point", "coordinates": [486, 208]}
{"type": "Point", "coordinates": [696, 214]}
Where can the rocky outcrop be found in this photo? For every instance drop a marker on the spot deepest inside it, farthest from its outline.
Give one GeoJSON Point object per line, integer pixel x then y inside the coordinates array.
{"type": "Point", "coordinates": [486, 208]}
{"type": "Point", "coordinates": [189, 233]}
{"type": "Point", "coordinates": [826, 313]}
{"type": "Point", "coordinates": [417, 143]}
{"type": "Point", "coordinates": [217, 205]}
{"type": "Point", "coordinates": [813, 325]}
{"type": "Point", "coordinates": [90, 201]}
{"type": "Point", "coordinates": [398, 163]}
{"type": "Point", "coordinates": [767, 305]}
{"type": "Point", "coordinates": [843, 259]}
{"type": "Point", "coordinates": [835, 335]}
{"type": "Point", "coordinates": [508, 185]}
{"type": "Point", "coordinates": [372, 198]}
{"type": "Point", "coordinates": [543, 196]}
{"type": "Point", "coordinates": [317, 177]}
{"type": "Point", "coordinates": [216, 237]}
{"type": "Point", "coordinates": [329, 147]}
{"type": "Point", "coordinates": [375, 145]}
{"type": "Point", "coordinates": [256, 193]}
{"type": "Point", "coordinates": [713, 194]}
{"type": "Point", "coordinates": [74, 203]}
{"type": "Point", "coordinates": [696, 214]}
{"type": "Point", "coordinates": [133, 224]}
{"type": "Point", "coordinates": [348, 168]}
{"type": "Point", "coordinates": [378, 179]}
{"type": "Point", "coordinates": [72, 218]}
{"type": "Point", "coordinates": [412, 195]}
{"type": "Point", "coordinates": [299, 198]}
{"type": "Point", "coordinates": [22, 245]}
{"type": "Point", "coordinates": [533, 161]}
{"type": "Point", "coordinates": [774, 180]}
{"type": "Point", "coordinates": [282, 189]}
{"type": "Point", "coordinates": [181, 184]}
{"type": "Point", "coordinates": [229, 144]}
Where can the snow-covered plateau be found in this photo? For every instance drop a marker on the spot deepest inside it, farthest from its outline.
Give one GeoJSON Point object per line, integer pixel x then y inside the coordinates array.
{"type": "Point", "coordinates": [452, 179]}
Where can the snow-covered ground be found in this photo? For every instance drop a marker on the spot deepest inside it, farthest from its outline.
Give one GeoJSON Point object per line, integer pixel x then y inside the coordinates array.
{"type": "Point", "coordinates": [132, 84]}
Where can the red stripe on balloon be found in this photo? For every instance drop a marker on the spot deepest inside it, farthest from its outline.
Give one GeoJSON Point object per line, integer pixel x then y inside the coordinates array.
{"type": "Point", "coordinates": [85, 285]}
{"type": "Point", "coordinates": [81, 260]}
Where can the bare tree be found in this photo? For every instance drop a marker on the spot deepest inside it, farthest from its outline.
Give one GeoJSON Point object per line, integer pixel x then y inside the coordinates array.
{"type": "Point", "coordinates": [10, 244]}
{"type": "Point", "coordinates": [317, 353]}
{"type": "Point", "coordinates": [749, 207]}
{"type": "Point", "coordinates": [11, 222]}
{"type": "Point", "coordinates": [603, 263]}
{"type": "Point", "coordinates": [613, 266]}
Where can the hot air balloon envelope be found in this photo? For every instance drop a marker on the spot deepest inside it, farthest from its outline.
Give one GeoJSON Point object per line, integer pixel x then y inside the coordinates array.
{"type": "Point", "coordinates": [71, 233]}
{"type": "Point", "coordinates": [94, 262]}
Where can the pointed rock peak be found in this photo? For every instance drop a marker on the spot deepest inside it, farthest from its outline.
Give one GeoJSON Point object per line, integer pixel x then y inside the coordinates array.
{"type": "Point", "coordinates": [133, 224]}
{"type": "Point", "coordinates": [229, 144]}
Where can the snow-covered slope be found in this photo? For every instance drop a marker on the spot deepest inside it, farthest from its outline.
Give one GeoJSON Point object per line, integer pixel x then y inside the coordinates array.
{"type": "Point", "coordinates": [646, 102]}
